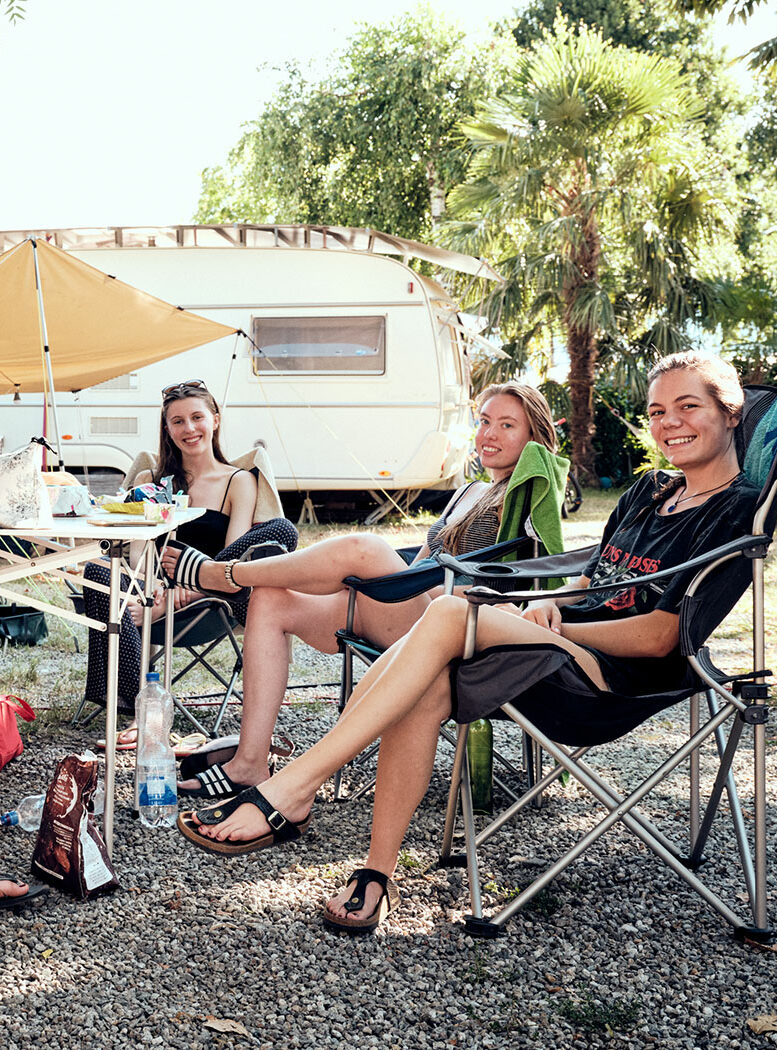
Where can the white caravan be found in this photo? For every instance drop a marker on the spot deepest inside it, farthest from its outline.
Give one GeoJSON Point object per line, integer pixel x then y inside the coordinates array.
{"type": "Point", "coordinates": [355, 376]}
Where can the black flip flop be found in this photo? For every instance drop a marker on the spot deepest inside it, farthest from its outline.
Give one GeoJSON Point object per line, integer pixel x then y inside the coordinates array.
{"type": "Point", "coordinates": [387, 902]}
{"type": "Point", "coordinates": [36, 889]}
{"type": "Point", "coordinates": [281, 829]}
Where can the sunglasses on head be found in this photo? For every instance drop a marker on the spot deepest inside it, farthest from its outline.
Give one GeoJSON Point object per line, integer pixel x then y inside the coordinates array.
{"type": "Point", "coordinates": [183, 388]}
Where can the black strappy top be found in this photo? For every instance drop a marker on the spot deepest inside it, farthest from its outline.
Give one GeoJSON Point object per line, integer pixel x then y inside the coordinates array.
{"type": "Point", "coordinates": [208, 533]}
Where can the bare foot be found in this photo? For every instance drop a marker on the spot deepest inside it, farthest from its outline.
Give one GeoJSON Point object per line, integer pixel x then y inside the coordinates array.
{"type": "Point", "coordinates": [10, 889]}
{"type": "Point", "coordinates": [248, 822]}
{"type": "Point", "coordinates": [372, 894]}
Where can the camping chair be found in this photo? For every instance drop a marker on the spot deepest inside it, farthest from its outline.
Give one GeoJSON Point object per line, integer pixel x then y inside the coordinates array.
{"type": "Point", "coordinates": [201, 627]}
{"type": "Point", "coordinates": [738, 700]}
{"type": "Point", "coordinates": [399, 587]}
{"type": "Point", "coordinates": [530, 491]}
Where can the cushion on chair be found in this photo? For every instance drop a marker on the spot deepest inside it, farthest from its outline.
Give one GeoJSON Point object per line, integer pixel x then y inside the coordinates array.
{"type": "Point", "coordinates": [762, 448]}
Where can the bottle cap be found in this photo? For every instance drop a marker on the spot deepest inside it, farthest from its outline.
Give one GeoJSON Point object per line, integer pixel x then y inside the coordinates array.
{"type": "Point", "coordinates": [152, 676]}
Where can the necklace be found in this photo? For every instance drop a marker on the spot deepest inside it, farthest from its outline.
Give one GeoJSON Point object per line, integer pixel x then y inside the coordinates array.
{"type": "Point", "coordinates": [673, 506]}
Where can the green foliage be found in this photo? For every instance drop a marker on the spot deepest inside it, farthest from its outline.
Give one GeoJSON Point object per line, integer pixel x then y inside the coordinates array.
{"type": "Point", "coordinates": [13, 9]}
{"type": "Point", "coordinates": [763, 57]}
{"type": "Point", "coordinates": [632, 23]}
{"type": "Point", "coordinates": [591, 174]}
{"type": "Point", "coordinates": [594, 1015]}
{"type": "Point", "coordinates": [375, 143]}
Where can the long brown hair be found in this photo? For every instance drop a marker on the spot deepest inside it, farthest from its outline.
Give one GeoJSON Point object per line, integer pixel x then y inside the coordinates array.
{"type": "Point", "coordinates": [541, 430]}
{"type": "Point", "coordinates": [169, 460]}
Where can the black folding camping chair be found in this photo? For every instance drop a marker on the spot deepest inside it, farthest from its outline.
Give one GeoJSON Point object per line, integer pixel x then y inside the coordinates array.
{"type": "Point", "coordinates": [737, 701]}
{"type": "Point", "coordinates": [399, 587]}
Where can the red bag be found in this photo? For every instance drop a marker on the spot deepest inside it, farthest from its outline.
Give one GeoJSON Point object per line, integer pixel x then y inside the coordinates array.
{"type": "Point", "coordinates": [10, 742]}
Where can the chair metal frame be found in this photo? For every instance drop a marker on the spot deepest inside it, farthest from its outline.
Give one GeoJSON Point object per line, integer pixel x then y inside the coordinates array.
{"type": "Point", "coordinates": [397, 587]}
{"type": "Point", "coordinates": [214, 617]}
{"type": "Point", "coordinates": [744, 702]}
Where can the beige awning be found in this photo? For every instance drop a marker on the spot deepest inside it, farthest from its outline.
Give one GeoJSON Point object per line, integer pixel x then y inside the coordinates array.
{"type": "Point", "coordinates": [97, 326]}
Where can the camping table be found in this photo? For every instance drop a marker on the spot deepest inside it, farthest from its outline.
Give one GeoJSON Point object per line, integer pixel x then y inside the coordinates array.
{"type": "Point", "coordinates": [75, 541]}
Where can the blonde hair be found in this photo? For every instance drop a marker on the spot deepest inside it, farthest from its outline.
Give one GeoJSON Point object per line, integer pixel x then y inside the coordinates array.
{"type": "Point", "coordinates": [541, 430]}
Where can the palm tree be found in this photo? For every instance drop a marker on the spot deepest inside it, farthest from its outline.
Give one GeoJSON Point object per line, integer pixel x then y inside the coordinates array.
{"type": "Point", "coordinates": [590, 178]}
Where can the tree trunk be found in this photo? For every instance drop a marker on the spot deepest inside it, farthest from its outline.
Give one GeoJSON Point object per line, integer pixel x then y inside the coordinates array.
{"type": "Point", "coordinates": [582, 344]}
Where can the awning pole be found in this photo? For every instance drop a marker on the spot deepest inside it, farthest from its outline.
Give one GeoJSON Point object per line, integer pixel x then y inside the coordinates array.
{"type": "Point", "coordinates": [238, 333]}
{"type": "Point", "coordinates": [47, 355]}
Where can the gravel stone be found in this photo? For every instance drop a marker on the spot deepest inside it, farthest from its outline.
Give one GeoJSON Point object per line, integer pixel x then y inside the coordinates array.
{"type": "Point", "coordinates": [617, 939]}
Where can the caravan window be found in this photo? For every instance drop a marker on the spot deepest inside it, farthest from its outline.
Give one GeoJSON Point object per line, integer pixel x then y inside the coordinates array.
{"type": "Point", "coordinates": [319, 344]}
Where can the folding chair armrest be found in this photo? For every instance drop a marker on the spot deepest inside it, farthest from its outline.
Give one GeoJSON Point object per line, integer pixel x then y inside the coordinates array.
{"type": "Point", "coordinates": [547, 566]}
{"type": "Point", "coordinates": [414, 580]}
{"type": "Point", "coordinates": [485, 596]}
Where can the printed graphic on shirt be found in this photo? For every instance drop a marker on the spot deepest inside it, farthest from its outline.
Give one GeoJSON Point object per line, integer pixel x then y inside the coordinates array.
{"type": "Point", "coordinates": [616, 565]}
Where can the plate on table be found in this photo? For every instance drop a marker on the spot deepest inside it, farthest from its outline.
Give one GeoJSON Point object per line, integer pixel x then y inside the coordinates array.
{"type": "Point", "coordinates": [120, 522]}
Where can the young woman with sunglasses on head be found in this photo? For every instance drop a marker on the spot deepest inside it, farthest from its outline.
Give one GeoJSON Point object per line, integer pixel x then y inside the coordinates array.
{"type": "Point", "coordinates": [190, 453]}
{"type": "Point", "coordinates": [618, 642]}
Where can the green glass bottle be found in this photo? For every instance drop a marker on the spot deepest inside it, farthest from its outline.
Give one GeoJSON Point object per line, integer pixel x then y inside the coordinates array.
{"type": "Point", "coordinates": [480, 753]}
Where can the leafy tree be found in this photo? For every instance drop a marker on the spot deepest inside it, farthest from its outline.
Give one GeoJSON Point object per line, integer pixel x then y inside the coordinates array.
{"type": "Point", "coordinates": [764, 55]}
{"type": "Point", "coordinates": [14, 9]}
{"type": "Point", "coordinates": [591, 177]}
{"type": "Point", "coordinates": [631, 23]}
{"type": "Point", "coordinates": [375, 143]}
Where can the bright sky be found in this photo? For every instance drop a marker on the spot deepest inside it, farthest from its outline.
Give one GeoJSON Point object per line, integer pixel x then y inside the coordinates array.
{"type": "Point", "coordinates": [112, 108]}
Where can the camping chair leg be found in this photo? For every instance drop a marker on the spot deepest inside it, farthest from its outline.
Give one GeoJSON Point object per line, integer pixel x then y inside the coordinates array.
{"type": "Point", "coordinates": [758, 904]}
{"type": "Point", "coordinates": [346, 688]}
{"type": "Point", "coordinates": [468, 814]}
{"type": "Point", "coordinates": [725, 779]}
{"type": "Point", "coordinates": [447, 860]}
{"type": "Point", "coordinates": [619, 812]}
{"type": "Point", "coordinates": [76, 719]}
{"type": "Point", "coordinates": [694, 795]}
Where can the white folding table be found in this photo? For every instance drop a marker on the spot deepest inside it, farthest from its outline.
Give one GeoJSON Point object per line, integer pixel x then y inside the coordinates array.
{"type": "Point", "coordinates": [73, 542]}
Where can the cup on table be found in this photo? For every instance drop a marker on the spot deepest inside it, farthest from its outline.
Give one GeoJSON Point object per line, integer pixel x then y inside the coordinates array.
{"type": "Point", "coordinates": [158, 513]}
{"type": "Point", "coordinates": [181, 501]}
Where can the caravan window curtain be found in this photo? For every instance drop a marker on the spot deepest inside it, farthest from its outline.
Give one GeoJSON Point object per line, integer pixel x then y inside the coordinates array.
{"type": "Point", "coordinates": [320, 344]}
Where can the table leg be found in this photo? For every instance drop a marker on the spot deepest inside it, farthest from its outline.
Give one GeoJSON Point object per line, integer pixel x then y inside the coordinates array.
{"type": "Point", "coordinates": [145, 645]}
{"type": "Point", "coordinates": [112, 692]}
{"type": "Point", "coordinates": [169, 632]}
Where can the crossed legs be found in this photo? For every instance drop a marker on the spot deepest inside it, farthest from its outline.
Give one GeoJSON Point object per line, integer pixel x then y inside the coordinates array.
{"type": "Point", "coordinates": [302, 594]}
{"type": "Point", "coordinates": [402, 698]}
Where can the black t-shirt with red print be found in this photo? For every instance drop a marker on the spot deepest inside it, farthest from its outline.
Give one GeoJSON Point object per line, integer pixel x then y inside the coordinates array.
{"type": "Point", "coordinates": [636, 542]}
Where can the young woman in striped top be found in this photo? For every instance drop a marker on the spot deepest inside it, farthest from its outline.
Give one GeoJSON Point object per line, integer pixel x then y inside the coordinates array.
{"type": "Point", "coordinates": [302, 593]}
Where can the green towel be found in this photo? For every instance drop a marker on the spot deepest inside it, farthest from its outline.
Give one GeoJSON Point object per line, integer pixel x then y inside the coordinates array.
{"type": "Point", "coordinates": [546, 472]}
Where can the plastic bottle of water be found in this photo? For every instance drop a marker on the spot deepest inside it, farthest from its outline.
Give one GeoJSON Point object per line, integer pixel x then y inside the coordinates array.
{"type": "Point", "coordinates": [29, 812]}
{"type": "Point", "coordinates": [156, 775]}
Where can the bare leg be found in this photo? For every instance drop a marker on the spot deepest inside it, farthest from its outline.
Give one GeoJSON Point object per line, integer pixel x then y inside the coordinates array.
{"type": "Point", "coordinates": [318, 569]}
{"type": "Point", "coordinates": [405, 764]}
{"type": "Point", "coordinates": [390, 689]}
{"type": "Point", "coordinates": [274, 613]}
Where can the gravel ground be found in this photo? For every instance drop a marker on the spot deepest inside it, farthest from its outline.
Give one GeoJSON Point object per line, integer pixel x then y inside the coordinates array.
{"type": "Point", "coordinates": [617, 953]}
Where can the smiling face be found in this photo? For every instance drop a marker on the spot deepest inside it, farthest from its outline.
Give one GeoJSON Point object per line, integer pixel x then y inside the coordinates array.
{"type": "Point", "coordinates": [503, 430]}
{"type": "Point", "coordinates": [687, 423]}
{"type": "Point", "coordinates": [191, 425]}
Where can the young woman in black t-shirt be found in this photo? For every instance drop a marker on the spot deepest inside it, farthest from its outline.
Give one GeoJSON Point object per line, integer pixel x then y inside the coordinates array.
{"type": "Point", "coordinates": [694, 404]}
